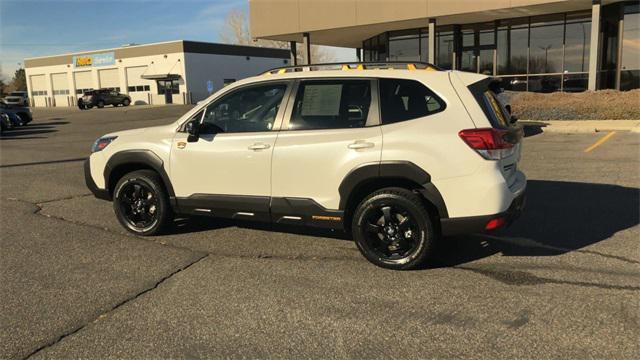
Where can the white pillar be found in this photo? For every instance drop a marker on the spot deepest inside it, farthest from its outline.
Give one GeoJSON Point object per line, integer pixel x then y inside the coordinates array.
{"type": "Point", "coordinates": [595, 45]}
{"type": "Point", "coordinates": [306, 51]}
{"type": "Point", "coordinates": [122, 76]}
{"type": "Point", "coordinates": [49, 83]}
{"type": "Point", "coordinates": [432, 41]}
{"type": "Point", "coordinates": [72, 84]}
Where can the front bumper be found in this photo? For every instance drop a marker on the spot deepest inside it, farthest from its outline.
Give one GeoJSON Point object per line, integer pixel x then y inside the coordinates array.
{"type": "Point", "coordinates": [97, 192]}
{"type": "Point", "coordinates": [477, 224]}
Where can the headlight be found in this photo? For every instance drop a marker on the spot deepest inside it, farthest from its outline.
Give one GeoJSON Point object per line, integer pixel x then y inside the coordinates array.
{"type": "Point", "coordinates": [102, 143]}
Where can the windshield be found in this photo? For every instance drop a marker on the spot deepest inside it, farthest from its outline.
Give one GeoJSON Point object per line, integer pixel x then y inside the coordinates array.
{"type": "Point", "coordinates": [19, 93]}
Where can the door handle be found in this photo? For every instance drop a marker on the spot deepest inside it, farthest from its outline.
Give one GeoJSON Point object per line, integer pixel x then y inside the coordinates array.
{"type": "Point", "coordinates": [361, 145]}
{"type": "Point", "coordinates": [259, 146]}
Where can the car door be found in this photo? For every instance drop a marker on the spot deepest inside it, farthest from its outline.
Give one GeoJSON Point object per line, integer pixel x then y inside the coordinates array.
{"type": "Point", "coordinates": [330, 129]}
{"type": "Point", "coordinates": [227, 171]}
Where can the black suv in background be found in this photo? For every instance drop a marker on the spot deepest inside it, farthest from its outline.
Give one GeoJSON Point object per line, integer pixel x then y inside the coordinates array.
{"type": "Point", "coordinates": [103, 97]}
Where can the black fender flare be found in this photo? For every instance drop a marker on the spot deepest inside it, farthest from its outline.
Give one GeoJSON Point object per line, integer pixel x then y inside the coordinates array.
{"type": "Point", "coordinates": [392, 169]}
{"type": "Point", "coordinates": [146, 157]}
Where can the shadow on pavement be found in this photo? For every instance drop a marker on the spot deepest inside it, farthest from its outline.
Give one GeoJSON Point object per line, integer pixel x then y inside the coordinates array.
{"type": "Point", "coordinates": [559, 217]}
{"type": "Point", "coordinates": [28, 131]}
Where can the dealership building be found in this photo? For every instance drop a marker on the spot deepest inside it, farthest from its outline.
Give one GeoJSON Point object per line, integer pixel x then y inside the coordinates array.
{"type": "Point", "coordinates": [178, 72]}
{"type": "Point", "coordinates": [534, 45]}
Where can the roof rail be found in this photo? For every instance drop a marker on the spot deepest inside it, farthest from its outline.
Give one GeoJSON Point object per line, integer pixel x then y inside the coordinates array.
{"type": "Point", "coordinates": [400, 65]}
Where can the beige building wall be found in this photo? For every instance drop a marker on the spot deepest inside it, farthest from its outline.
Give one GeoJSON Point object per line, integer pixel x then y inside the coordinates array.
{"type": "Point", "coordinates": [348, 22]}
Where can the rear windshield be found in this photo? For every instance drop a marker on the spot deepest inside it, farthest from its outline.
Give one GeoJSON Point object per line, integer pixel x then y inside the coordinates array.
{"type": "Point", "coordinates": [490, 104]}
{"type": "Point", "coordinates": [16, 94]}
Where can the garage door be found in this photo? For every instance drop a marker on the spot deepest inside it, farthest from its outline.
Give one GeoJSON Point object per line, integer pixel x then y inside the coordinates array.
{"type": "Point", "coordinates": [60, 85]}
{"type": "Point", "coordinates": [38, 89]}
{"type": "Point", "coordinates": [83, 81]}
{"type": "Point", "coordinates": [109, 79]}
{"type": "Point", "coordinates": [137, 87]}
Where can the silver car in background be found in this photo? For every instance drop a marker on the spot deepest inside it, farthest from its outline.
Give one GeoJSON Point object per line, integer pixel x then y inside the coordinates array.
{"type": "Point", "coordinates": [17, 98]}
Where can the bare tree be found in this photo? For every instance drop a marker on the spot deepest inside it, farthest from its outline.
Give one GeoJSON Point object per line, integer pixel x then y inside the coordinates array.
{"type": "Point", "coordinates": [236, 31]}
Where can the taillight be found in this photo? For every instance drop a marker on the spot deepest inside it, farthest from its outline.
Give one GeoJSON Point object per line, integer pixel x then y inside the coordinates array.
{"type": "Point", "coordinates": [495, 223]}
{"type": "Point", "coordinates": [490, 143]}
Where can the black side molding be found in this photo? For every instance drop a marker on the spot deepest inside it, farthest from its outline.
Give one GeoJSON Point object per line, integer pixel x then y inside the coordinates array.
{"type": "Point", "coordinates": [143, 157]}
{"type": "Point", "coordinates": [97, 192]}
{"type": "Point", "coordinates": [243, 207]}
{"type": "Point", "coordinates": [303, 211]}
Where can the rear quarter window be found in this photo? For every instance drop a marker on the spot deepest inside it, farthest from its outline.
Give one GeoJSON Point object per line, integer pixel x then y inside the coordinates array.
{"type": "Point", "coordinates": [402, 100]}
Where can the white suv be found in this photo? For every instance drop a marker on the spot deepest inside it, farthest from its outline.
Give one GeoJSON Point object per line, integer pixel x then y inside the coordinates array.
{"type": "Point", "coordinates": [396, 154]}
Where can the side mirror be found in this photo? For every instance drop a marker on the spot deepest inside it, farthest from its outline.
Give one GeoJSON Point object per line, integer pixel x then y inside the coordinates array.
{"type": "Point", "coordinates": [193, 129]}
{"type": "Point", "coordinates": [513, 119]}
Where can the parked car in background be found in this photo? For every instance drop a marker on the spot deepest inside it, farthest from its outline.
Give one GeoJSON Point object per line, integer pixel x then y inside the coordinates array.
{"type": "Point", "coordinates": [17, 98]}
{"type": "Point", "coordinates": [5, 123]}
{"type": "Point", "coordinates": [19, 115]}
{"type": "Point", "coordinates": [102, 97]}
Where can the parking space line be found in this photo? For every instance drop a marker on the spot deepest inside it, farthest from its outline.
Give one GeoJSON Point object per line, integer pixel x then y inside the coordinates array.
{"type": "Point", "coordinates": [600, 142]}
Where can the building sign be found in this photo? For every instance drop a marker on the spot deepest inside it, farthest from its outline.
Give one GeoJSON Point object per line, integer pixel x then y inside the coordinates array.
{"type": "Point", "coordinates": [102, 59]}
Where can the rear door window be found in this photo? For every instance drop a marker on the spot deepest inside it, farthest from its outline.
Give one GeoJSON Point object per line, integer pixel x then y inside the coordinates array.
{"type": "Point", "coordinates": [331, 104]}
{"type": "Point", "coordinates": [402, 100]}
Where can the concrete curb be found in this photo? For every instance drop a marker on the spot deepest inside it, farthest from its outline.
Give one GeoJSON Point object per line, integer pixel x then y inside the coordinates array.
{"type": "Point", "coordinates": [584, 126]}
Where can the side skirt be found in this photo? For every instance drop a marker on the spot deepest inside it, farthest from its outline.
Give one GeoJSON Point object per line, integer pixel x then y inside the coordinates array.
{"type": "Point", "coordinates": [290, 211]}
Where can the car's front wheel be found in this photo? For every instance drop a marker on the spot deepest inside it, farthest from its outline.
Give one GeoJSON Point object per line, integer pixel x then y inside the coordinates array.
{"type": "Point", "coordinates": [393, 229]}
{"type": "Point", "coordinates": [141, 203]}
{"type": "Point", "coordinates": [100, 104]}
{"type": "Point", "coordinates": [126, 102]}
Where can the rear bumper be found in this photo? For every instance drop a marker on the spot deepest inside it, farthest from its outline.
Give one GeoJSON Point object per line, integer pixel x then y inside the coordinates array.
{"type": "Point", "coordinates": [97, 192]}
{"type": "Point", "coordinates": [477, 224]}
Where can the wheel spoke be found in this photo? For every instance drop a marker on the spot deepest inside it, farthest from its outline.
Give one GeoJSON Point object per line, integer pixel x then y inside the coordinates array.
{"type": "Point", "coordinates": [373, 228]}
{"type": "Point", "coordinates": [136, 191]}
{"type": "Point", "coordinates": [386, 211]}
{"type": "Point", "coordinates": [404, 223]}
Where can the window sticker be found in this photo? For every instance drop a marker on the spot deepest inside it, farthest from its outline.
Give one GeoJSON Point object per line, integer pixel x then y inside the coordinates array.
{"type": "Point", "coordinates": [321, 100]}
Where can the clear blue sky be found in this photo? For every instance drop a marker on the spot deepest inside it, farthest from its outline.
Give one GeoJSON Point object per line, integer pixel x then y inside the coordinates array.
{"type": "Point", "coordinates": [47, 27]}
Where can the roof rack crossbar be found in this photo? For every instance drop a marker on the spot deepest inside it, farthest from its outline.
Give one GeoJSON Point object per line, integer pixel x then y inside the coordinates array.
{"type": "Point", "coordinates": [345, 66]}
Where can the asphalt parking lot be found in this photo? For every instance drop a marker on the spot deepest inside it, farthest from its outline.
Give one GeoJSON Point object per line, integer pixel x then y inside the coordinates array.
{"type": "Point", "coordinates": [564, 281]}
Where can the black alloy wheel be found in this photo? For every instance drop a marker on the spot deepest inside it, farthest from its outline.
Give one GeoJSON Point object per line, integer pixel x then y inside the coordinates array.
{"type": "Point", "coordinates": [126, 102]}
{"type": "Point", "coordinates": [100, 104]}
{"type": "Point", "coordinates": [141, 204]}
{"type": "Point", "coordinates": [393, 229]}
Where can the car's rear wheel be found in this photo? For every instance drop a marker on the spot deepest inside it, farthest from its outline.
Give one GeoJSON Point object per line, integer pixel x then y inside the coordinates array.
{"type": "Point", "coordinates": [126, 102]}
{"type": "Point", "coordinates": [393, 229]}
{"type": "Point", "coordinates": [100, 104]}
{"type": "Point", "coordinates": [141, 203]}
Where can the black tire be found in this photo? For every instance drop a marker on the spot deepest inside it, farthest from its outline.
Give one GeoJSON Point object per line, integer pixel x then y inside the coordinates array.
{"type": "Point", "coordinates": [144, 214]}
{"type": "Point", "coordinates": [100, 104]}
{"type": "Point", "coordinates": [126, 102]}
{"type": "Point", "coordinates": [393, 229]}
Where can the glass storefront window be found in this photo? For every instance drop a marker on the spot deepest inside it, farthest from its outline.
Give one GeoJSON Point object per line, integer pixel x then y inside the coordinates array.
{"type": "Point", "coordinates": [445, 48]}
{"type": "Point", "coordinates": [514, 83]}
{"type": "Point", "coordinates": [545, 49]}
{"type": "Point", "coordinates": [512, 47]}
{"type": "Point", "coordinates": [404, 46]}
{"type": "Point", "coordinates": [544, 84]}
{"type": "Point", "coordinates": [575, 82]}
{"type": "Point", "coordinates": [424, 45]}
{"type": "Point", "coordinates": [630, 62]}
{"type": "Point", "coordinates": [577, 40]}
